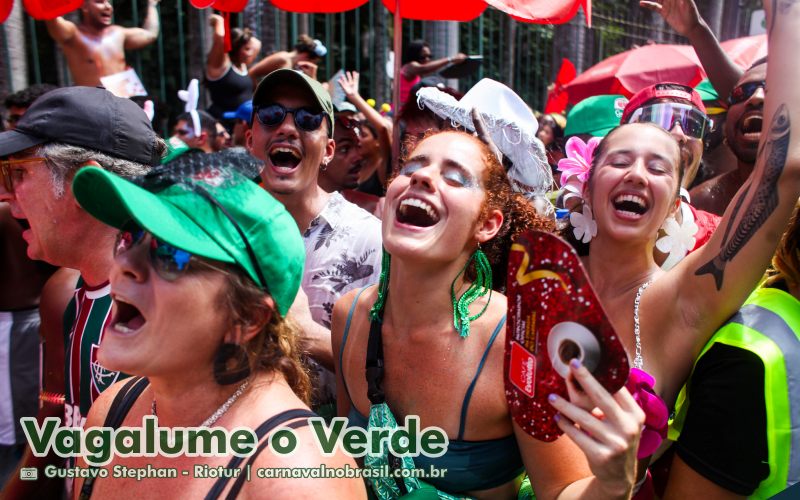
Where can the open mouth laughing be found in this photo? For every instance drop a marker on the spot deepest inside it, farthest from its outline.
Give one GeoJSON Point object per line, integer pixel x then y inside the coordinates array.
{"type": "Point", "coordinates": [750, 125]}
{"type": "Point", "coordinates": [630, 206]}
{"type": "Point", "coordinates": [417, 212]}
{"type": "Point", "coordinates": [284, 159]}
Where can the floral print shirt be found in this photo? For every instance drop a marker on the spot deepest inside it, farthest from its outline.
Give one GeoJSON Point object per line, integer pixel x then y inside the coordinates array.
{"type": "Point", "coordinates": [343, 252]}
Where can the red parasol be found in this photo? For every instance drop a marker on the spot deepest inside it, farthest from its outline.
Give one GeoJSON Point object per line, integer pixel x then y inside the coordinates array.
{"type": "Point", "coordinates": [543, 11]}
{"type": "Point", "coordinates": [453, 10]}
{"type": "Point", "coordinates": [317, 6]}
{"type": "Point", "coordinates": [632, 70]}
{"type": "Point", "coordinates": [5, 9]}
{"type": "Point", "coordinates": [43, 10]}
{"type": "Point", "coordinates": [746, 50]}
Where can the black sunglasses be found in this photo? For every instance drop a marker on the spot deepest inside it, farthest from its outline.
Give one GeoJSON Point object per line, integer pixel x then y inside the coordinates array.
{"type": "Point", "coordinates": [273, 115]}
{"type": "Point", "coordinates": [744, 91]}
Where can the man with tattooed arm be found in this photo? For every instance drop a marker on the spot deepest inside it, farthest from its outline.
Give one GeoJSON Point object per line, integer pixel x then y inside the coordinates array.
{"type": "Point", "coordinates": [738, 417]}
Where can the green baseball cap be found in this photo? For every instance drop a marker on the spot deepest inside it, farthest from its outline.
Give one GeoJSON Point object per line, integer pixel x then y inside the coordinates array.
{"type": "Point", "coordinates": [707, 91]}
{"type": "Point", "coordinates": [595, 115]}
{"type": "Point", "coordinates": [262, 95]}
{"type": "Point", "coordinates": [210, 212]}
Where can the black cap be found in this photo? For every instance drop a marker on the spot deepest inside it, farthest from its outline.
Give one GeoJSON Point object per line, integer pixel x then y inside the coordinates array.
{"type": "Point", "coordinates": [88, 117]}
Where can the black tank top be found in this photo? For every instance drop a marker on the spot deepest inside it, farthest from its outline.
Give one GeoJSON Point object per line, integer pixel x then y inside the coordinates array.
{"type": "Point", "coordinates": [133, 389]}
{"type": "Point", "coordinates": [228, 91]}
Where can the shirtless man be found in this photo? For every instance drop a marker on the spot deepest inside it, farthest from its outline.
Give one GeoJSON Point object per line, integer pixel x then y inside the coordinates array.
{"type": "Point", "coordinates": [95, 47]}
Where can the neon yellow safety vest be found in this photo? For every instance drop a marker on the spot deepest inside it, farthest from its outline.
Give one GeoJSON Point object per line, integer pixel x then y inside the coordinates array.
{"type": "Point", "coordinates": [768, 325]}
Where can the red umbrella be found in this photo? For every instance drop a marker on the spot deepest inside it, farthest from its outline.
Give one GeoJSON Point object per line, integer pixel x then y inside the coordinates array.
{"type": "Point", "coordinates": [47, 9]}
{"type": "Point", "coordinates": [543, 11]}
{"type": "Point", "coordinates": [746, 50]}
{"type": "Point", "coordinates": [632, 70]}
{"type": "Point", "coordinates": [5, 9]}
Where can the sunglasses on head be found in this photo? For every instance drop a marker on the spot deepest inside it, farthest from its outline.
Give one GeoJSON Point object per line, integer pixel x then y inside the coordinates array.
{"type": "Point", "coordinates": [743, 92]}
{"type": "Point", "coordinates": [666, 114]}
{"type": "Point", "coordinates": [168, 261]}
{"type": "Point", "coordinates": [273, 115]}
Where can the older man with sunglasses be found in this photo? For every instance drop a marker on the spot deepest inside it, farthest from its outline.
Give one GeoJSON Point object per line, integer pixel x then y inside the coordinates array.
{"type": "Point", "coordinates": [63, 131]}
{"type": "Point", "coordinates": [292, 133]}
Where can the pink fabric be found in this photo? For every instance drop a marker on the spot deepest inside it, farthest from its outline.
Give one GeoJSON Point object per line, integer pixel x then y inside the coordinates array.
{"type": "Point", "coordinates": [640, 384]}
{"type": "Point", "coordinates": [406, 85]}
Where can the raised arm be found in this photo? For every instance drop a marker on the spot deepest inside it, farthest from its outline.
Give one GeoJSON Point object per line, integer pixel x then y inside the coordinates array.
{"type": "Point", "coordinates": [61, 30]}
{"type": "Point", "coordinates": [715, 280]}
{"type": "Point", "coordinates": [218, 61]}
{"type": "Point", "coordinates": [349, 82]}
{"type": "Point", "coordinates": [269, 64]}
{"type": "Point", "coordinates": [421, 69]}
{"type": "Point", "coordinates": [137, 38]}
{"type": "Point", "coordinates": [685, 19]}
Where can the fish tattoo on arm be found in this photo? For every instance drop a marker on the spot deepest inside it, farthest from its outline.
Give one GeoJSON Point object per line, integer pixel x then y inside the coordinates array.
{"type": "Point", "coordinates": [763, 203]}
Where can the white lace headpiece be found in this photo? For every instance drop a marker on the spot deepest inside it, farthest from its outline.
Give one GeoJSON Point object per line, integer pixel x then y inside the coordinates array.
{"type": "Point", "coordinates": [511, 125]}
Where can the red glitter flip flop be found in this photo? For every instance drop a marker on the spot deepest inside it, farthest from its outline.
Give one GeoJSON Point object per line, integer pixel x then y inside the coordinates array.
{"type": "Point", "coordinates": [553, 317]}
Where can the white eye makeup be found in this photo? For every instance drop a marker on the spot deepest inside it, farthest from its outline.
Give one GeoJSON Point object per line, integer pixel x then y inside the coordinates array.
{"type": "Point", "coordinates": [459, 177]}
{"type": "Point", "coordinates": [410, 167]}
{"type": "Point", "coordinates": [453, 175]}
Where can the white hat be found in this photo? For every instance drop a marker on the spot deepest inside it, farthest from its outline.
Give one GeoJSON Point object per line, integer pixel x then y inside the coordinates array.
{"type": "Point", "coordinates": [510, 123]}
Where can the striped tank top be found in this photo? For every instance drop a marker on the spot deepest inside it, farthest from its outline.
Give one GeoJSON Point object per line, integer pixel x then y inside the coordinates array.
{"type": "Point", "coordinates": [84, 320]}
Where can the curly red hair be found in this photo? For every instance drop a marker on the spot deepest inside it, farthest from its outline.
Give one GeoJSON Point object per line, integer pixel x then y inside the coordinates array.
{"type": "Point", "coordinates": [518, 214]}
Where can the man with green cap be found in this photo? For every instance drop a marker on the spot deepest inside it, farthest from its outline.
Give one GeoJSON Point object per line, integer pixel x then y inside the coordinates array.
{"type": "Point", "coordinates": [342, 241]}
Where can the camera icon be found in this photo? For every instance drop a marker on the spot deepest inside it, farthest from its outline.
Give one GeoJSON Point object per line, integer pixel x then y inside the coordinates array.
{"type": "Point", "coordinates": [29, 473]}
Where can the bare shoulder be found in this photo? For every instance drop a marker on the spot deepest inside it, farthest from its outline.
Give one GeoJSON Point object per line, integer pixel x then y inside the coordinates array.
{"type": "Point", "coordinates": [101, 405]}
{"type": "Point", "coordinates": [285, 475]}
{"type": "Point", "coordinates": [341, 310]}
{"type": "Point", "coordinates": [60, 287]}
{"type": "Point", "coordinates": [341, 313]}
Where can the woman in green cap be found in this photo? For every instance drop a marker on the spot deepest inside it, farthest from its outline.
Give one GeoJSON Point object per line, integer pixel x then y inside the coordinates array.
{"type": "Point", "coordinates": [449, 213]}
{"type": "Point", "coordinates": [206, 267]}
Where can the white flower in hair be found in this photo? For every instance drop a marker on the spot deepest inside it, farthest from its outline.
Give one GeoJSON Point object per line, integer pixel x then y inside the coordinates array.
{"type": "Point", "coordinates": [679, 239]}
{"type": "Point", "coordinates": [583, 224]}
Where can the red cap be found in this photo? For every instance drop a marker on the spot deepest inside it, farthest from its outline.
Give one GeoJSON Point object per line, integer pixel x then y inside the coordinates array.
{"type": "Point", "coordinates": [666, 90]}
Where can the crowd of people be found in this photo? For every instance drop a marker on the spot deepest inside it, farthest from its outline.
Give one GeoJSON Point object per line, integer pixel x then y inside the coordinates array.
{"type": "Point", "coordinates": [270, 263]}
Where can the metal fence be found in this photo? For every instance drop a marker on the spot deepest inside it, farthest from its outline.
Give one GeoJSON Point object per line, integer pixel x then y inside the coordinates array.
{"type": "Point", "coordinates": [524, 56]}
